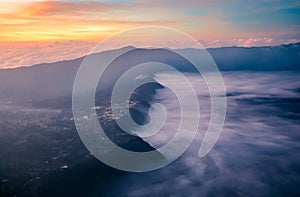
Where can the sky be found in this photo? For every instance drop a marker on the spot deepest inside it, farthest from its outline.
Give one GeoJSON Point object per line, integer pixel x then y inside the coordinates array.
{"type": "Point", "coordinates": [39, 28]}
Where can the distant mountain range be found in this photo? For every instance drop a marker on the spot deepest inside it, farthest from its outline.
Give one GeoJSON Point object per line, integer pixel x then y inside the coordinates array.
{"type": "Point", "coordinates": [52, 80]}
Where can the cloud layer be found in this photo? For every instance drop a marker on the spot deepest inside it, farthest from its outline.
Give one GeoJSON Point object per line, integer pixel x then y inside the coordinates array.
{"type": "Point", "coordinates": [26, 54]}
{"type": "Point", "coordinates": [16, 54]}
{"type": "Point", "coordinates": [258, 148]}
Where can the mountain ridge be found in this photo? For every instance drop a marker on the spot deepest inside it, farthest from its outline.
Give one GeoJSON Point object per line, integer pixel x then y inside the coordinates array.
{"type": "Point", "coordinates": [209, 49]}
{"type": "Point", "coordinates": [52, 80]}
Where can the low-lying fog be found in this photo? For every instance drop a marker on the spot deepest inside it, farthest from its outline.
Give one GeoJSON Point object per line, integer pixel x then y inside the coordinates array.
{"type": "Point", "coordinates": [257, 153]}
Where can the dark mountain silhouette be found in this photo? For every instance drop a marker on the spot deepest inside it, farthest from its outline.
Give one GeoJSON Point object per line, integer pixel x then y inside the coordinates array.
{"type": "Point", "coordinates": [52, 80]}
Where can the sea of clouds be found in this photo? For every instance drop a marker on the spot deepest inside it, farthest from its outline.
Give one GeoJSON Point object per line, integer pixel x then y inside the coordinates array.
{"type": "Point", "coordinates": [257, 153]}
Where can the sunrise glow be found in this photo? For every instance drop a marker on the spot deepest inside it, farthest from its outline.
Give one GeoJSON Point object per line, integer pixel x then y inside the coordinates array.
{"type": "Point", "coordinates": [34, 27]}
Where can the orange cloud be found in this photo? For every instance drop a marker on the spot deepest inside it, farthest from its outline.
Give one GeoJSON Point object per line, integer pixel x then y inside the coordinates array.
{"type": "Point", "coordinates": [70, 21]}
